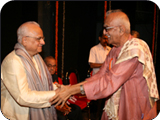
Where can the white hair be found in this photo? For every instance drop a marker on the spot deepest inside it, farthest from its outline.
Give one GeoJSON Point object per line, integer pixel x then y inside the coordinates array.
{"type": "Point", "coordinates": [22, 30]}
{"type": "Point", "coordinates": [112, 11]}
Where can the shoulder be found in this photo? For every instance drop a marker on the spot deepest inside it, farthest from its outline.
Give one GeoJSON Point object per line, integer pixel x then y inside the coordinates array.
{"type": "Point", "coordinates": [138, 42]}
{"type": "Point", "coordinates": [11, 58]}
{"type": "Point", "coordinates": [95, 47]}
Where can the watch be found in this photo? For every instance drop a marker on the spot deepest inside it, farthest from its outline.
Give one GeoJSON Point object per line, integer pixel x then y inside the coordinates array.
{"type": "Point", "coordinates": [82, 90]}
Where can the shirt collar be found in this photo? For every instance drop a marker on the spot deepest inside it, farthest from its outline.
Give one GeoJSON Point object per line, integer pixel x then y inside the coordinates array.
{"type": "Point", "coordinates": [101, 47]}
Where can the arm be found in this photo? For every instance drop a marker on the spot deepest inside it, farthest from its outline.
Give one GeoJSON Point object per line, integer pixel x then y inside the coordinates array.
{"type": "Point", "coordinates": [101, 87]}
{"type": "Point", "coordinates": [95, 65]}
{"type": "Point", "coordinates": [111, 81]}
{"type": "Point", "coordinates": [103, 69]}
{"type": "Point", "coordinates": [93, 58]}
{"type": "Point", "coordinates": [75, 89]}
{"type": "Point", "coordinates": [15, 80]}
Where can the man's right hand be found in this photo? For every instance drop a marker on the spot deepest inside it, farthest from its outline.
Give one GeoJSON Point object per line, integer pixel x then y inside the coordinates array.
{"type": "Point", "coordinates": [62, 94]}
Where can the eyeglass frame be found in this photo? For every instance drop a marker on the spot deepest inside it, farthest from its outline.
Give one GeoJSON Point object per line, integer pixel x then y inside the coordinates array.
{"type": "Point", "coordinates": [107, 28]}
{"type": "Point", "coordinates": [36, 38]}
{"type": "Point", "coordinates": [50, 66]}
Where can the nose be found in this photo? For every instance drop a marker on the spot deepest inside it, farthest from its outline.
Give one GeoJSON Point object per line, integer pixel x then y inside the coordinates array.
{"type": "Point", "coordinates": [104, 32]}
{"type": "Point", "coordinates": [42, 42]}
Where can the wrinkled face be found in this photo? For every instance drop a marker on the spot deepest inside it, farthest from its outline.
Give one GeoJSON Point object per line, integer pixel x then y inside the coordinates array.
{"type": "Point", "coordinates": [111, 29]}
{"type": "Point", "coordinates": [33, 40]}
{"type": "Point", "coordinates": [51, 64]}
{"type": "Point", "coordinates": [103, 40]}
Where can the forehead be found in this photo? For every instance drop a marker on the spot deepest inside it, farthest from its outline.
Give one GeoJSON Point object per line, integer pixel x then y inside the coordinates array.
{"type": "Point", "coordinates": [51, 61]}
{"type": "Point", "coordinates": [108, 22]}
{"type": "Point", "coordinates": [110, 19]}
{"type": "Point", "coordinates": [34, 29]}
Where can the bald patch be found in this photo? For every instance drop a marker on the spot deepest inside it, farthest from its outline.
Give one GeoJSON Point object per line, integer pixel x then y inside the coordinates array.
{"type": "Point", "coordinates": [49, 58]}
{"type": "Point", "coordinates": [31, 28]}
{"type": "Point", "coordinates": [119, 18]}
{"type": "Point", "coordinates": [24, 29]}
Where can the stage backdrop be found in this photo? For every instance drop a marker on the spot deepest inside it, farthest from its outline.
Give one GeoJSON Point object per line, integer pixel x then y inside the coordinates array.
{"type": "Point", "coordinates": [71, 28]}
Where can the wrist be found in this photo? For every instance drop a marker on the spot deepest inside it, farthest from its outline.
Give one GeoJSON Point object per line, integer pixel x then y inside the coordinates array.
{"type": "Point", "coordinates": [82, 90]}
{"type": "Point", "coordinates": [74, 89]}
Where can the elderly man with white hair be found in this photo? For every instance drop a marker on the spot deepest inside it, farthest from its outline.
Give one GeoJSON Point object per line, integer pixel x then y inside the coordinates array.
{"type": "Point", "coordinates": [126, 79]}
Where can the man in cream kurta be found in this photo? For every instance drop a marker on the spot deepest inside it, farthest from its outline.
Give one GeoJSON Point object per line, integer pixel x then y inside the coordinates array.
{"type": "Point", "coordinates": [14, 76]}
{"type": "Point", "coordinates": [16, 95]}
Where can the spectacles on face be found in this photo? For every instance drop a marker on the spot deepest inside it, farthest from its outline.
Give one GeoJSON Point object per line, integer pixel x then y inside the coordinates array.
{"type": "Point", "coordinates": [50, 66]}
{"type": "Point", "coordinates": [38, 39]}
{"type": "Point", "coordinates": [107, 28]}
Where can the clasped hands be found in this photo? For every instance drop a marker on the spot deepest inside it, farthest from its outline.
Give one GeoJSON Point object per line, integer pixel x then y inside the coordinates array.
{"type": "Point", "coordinates": [61, 96]}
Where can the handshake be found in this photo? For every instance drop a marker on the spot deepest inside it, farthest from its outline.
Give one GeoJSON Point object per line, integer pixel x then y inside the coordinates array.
{"type": "Point", "coordinates": [64, 92]}
{"type": "Point", "coordinates": [62, 96]}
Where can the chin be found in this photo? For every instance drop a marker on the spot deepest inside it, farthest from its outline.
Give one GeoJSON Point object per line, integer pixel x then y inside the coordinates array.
{"type": "Point", "coordinates": [52, 73]}
{"type": "Point", "coordinates": [40, 48]}
{"type": "Point", "coordinates": [39, 51]}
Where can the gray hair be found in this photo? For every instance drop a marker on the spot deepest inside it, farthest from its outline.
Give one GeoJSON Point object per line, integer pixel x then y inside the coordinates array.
{"type": "Point", "coordinates": [112, 11]}
{"type": "Point", "coordinates": [22, 30]}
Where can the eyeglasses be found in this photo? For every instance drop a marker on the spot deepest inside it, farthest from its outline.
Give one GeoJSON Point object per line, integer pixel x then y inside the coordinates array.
{"type": "Point", "coordinates": [50, 66]}
{"type": "Point", "coordinates": [107, 28]}
{"type": "Point", "coordinates": [37, 38]}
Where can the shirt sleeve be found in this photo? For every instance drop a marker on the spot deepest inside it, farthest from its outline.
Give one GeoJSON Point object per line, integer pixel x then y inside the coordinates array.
{"type": "Point", "coordinates": [92, 56]}
{"type": "Point", "coordinates": [103, 69]}
{"type": "Point", "coordinates": [105, 84]}
{"type": "Point", "coordinates": [15, 81]}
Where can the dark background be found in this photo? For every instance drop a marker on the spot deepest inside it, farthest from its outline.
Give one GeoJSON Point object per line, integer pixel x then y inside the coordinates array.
{"type": "Point", "coordinates": [83, 21]}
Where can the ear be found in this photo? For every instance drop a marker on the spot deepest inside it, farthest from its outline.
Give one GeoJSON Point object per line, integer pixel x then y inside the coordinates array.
{"type": "Point", "coordinates": [122, 30]}
{"type": "Point", "coordinates": [24, 41]}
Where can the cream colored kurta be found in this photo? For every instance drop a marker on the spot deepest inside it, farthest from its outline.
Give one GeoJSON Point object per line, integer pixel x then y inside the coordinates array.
{"type": "Point", "coordinates": [16, 97]}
